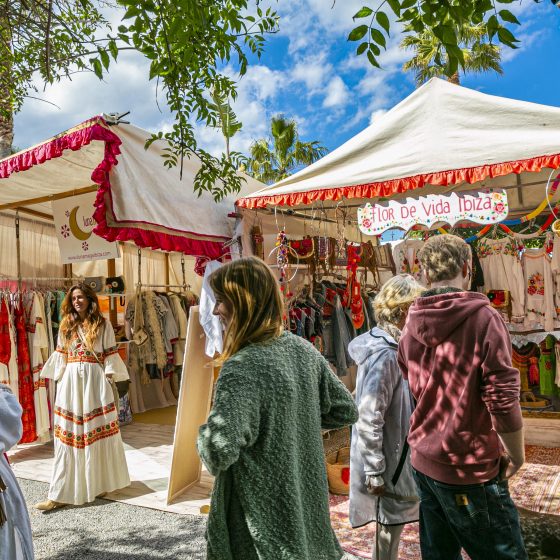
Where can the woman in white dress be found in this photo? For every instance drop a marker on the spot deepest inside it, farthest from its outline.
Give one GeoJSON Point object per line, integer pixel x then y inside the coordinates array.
{"type": "Point", "coordinates": [89, 452]}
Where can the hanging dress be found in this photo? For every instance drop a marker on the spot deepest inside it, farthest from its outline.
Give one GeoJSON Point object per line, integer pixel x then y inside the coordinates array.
{"type": "Point", "coordinates": [13, 363]}
{"type": "Point", "coordinates": [501, 265]}
{"type": "Point", "coordinates": [89, 453]}
{"type": "Point", "coordinates": [541, 310]}
{"type": "Point", "coordinates": [5, 344]}
{"type": "Point", "coordinates": [405, 255]}
{"type": "Point", "coordinates": [38, 345]}
{"type": "Point", "coordinates": [25, 378]}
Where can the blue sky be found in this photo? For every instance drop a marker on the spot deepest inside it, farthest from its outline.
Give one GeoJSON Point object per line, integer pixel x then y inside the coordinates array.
{"type": "Point", "coordinates": [309, 72]}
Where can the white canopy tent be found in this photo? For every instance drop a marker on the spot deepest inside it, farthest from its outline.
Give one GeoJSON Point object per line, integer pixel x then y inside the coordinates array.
{"type": "Point", "coordinates": [138, 199]}
{"type": "Point", "coordinates": [441, 138]}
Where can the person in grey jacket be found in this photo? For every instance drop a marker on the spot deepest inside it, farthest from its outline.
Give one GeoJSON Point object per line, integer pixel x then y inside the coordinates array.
{"type": "Point", "coordinates": [382, 487]}
{"type": "Point", "coordinates": [15, 530]}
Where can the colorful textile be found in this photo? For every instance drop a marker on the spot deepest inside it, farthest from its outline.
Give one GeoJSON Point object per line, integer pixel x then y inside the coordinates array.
{"type": "Point", "coordinates": [26, 391]}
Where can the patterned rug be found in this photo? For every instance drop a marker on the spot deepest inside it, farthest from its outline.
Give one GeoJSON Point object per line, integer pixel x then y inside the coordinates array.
{"type": "Point", "coordinates": [535, 487]}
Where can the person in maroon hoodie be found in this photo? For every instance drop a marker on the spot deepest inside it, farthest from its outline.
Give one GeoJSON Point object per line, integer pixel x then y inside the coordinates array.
{"type": "Point", "coordinates": [466, 436]}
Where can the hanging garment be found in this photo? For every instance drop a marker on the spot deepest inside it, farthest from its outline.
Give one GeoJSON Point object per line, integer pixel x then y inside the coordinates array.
{"type": "Point", "coordinates": [405, 255]}
{"type": "Point", "coordinates": [181, 320]}
{"type": "Point", "coordinates": [89, 453]}
{"type": "Point", "coordinates": [547, 368]}
{"type": "Point", "coordinates": [5, 343]}
{"type": "Point", "coordinates": [38, 345]}
{"type": "Point", "coordinates": [557, 351]}
{"type": "Point", "coordinates": [502, 269]}
{"type": "Point", "coordinates": [13, 363]}
{"type": "Point", "coordinates": [541, 311]}
{"type": "Point", "coordinates": [555, 268]}
{"type": "Point", "coordinates": [26, 399]}
{"type": "Point", "coordinates": [521, 360]}
{"type": "Point", "coordinates": [210, 323]}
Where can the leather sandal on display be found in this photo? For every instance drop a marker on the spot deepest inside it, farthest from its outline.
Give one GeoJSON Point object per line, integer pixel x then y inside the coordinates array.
{"type": "Point", "coordinates": [49, 505]}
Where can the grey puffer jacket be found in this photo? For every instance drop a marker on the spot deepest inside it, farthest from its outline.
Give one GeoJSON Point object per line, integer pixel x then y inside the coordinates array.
{"type": "Point", "coordinates": [385, 405]}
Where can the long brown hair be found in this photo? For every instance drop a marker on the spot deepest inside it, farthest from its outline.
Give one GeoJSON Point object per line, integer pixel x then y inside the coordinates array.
{"type": "Point", "coordinates": [249, 290]}
{"type": "Point", "coordinates": [91, 325]}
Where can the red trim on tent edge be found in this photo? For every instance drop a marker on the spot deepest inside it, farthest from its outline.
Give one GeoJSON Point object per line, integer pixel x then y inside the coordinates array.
{"type": "Point", "coordinates": [388, 188]}
{"type": "Point", "coordinates": [95, 129]}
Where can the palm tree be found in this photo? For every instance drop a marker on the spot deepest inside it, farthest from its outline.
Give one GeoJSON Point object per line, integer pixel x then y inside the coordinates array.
{"type": "Point", "coordinates": [276, 158]}
{"type": "Point", "coordinates": [227, 119]}
{"type": "Point", "coordinates": [479, 55]}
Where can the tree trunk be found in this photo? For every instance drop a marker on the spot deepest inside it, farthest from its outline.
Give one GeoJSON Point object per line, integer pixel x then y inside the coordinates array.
{"type": "Point", "coordinates": [6, 135]}
{"type": "Point", "coordinates": [454, 79]}
{"type": "Point", "coordinates": [6, 107]}
{"type": "Point", "coordinates": [227, 147]}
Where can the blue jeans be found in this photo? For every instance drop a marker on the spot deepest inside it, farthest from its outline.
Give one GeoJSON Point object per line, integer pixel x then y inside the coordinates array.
{"type": "Point", "coordinates": [480, 518]}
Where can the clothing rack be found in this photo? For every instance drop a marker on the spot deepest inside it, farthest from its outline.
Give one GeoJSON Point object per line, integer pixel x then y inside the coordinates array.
{"type": "Point", "coordinates": [139, 284]}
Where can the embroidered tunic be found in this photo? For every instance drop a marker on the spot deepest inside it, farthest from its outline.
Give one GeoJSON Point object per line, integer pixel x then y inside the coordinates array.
{"type": "Point", "coordinates": [89, 453]}
{"type": "Point", "coordinates": [541, 311]}
{"type": "Point", "coordinates": [502, 269]}
{"type": "Point", "coordinates": [405, 255]}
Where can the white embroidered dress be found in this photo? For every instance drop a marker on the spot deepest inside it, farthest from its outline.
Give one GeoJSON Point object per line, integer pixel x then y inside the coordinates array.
{"type": "Point", "coordinates": [89, 452]}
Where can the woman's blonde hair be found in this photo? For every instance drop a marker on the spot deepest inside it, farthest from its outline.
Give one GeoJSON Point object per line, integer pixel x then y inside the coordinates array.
{"type": "Point", "coordinates": [71, 321]}
{"type": "Point", "coordinates": [393, 300]}
{"type": "Point", "coordinates": [249, 290]}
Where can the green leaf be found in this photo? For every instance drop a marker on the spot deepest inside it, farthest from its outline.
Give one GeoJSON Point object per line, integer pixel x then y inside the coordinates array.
{"type": "Point", "coordinates": [358, 33]}
{"type": "Point", "coordinates": [104, 59]}
{"type": "Point", "coordinates": [372, 59]}
{"type": "Point", "coordinates": [362, 48]}
{"type": "Point", "coordinates": [97, 68]}
{"type": "Point", "coordinates": [395, 6]}
{"type": "Point", "coordinates": [363, 12]}
{"type": "Point", "coordinates": [493, 26]}
{"type": "Point", "coordinates": [378, 37]}
{"type": "Point", "coordinates": [113, 49]}
{"type": "Point", "coordinates": [506, 36]}
{"type": "Point", "coordinates": [506, 15]}
{"type": "Point", "coordinates": [407, 4]}
{"type": "Point", "coordinates": [383, 20]}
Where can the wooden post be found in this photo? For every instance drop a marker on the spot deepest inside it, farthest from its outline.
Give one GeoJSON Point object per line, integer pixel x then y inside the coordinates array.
{"type": "Point", "coordinates": [167, 267]}
{"type": "Point", "coordinates": [112, 271]}
{"type": "Point", "coordinates": [18, 251]}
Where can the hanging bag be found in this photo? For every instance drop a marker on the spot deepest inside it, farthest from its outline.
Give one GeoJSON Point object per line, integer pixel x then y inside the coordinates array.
{"type": "Point", "coordinates": [139, 335]}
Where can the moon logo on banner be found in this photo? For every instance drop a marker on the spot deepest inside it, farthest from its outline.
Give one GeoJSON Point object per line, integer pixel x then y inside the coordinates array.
{"type": "Point", "coordinates": [75, 228]}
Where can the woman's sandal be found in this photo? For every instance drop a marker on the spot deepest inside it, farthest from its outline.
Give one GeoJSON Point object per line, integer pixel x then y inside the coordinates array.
{"type": "Point", "coordinates": [49, 505]}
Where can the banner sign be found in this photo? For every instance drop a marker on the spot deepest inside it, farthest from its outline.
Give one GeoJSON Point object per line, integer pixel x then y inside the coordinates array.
{"type": "Point", "coordinates": [73, 218]}
{"type": "Point", "coordinates": [484, 207]}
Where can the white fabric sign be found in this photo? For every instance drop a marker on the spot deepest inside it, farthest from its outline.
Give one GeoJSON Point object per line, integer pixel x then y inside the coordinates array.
{"type": "Point", "coordinates": [73, 218]}
{"type": "Point", "coordinates": [486, 207]}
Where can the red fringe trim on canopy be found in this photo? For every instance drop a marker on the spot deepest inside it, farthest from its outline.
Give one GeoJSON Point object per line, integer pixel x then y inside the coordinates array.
{"type": "Point", "coordinates": [82, 135]}
{"type": "Point", "coordinates": [388, 188]}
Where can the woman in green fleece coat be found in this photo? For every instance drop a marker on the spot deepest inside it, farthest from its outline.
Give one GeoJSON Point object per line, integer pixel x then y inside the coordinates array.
{"type": "Point", "coordinates": [263, 439]}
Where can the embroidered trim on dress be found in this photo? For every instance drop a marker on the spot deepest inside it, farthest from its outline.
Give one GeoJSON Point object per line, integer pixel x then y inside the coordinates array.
{"type": "Point", "coordinates": [81, 420]}
{"type": "Point", "coordinates": [80, 441]}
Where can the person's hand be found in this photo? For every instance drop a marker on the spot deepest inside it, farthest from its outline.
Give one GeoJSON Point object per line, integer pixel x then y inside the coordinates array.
{"type": "Point", "coordinates": [508, 467]}
{"type": "Point", "coordinates": [375, 485]}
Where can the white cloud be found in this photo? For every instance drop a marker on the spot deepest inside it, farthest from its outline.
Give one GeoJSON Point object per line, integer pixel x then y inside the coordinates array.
{"type": "Point", "coordinates": [337, 93]}
{"type": "Point", "coordinates": [526, 40]}
{"type": "Point", "coordinates": [376, 115]}
{"type": "Point", "coordinates": [312, 71]}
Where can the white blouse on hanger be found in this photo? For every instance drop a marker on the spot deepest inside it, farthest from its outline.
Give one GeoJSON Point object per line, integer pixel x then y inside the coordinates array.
{"type": "Point", "coordinates": [503, 270]}
{"type": "Point", "coordinates": [539, 284]}
{"type": "Point", "coordinates": [405, 255]}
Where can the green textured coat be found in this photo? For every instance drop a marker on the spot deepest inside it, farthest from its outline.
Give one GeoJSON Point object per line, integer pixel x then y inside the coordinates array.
{"type": "Point", "coordinates": [263, 443]}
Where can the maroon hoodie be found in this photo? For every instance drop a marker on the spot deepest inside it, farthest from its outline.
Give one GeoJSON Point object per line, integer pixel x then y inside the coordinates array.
{"type": "Point", "coordinates": [455, 352]}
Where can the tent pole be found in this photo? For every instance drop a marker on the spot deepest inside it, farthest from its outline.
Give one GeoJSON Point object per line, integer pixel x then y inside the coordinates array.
{"type": "Point", "coordinates": [48, 198]}
{"type": "Point", "coordinates": [18, 251]}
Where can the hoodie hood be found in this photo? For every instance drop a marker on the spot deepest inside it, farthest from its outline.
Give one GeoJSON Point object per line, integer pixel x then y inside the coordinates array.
{"type": "Point", "coordinates": [372, 342]}
{"type": "Point", "coordinates": [432, 319]}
